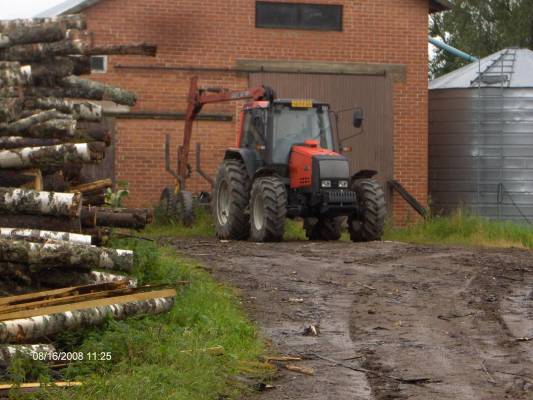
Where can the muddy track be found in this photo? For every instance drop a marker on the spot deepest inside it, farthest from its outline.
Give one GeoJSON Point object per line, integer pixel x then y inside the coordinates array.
{"type": "Point", "coordinates": [396, 321]}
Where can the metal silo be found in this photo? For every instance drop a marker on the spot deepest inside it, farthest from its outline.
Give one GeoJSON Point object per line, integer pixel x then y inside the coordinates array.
{"type": "Point", "coordinates": [481, 137]}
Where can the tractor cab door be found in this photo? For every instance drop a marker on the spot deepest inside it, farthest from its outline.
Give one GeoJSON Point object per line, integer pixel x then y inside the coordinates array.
{"type": "Point", "coordinates": [254, 133]}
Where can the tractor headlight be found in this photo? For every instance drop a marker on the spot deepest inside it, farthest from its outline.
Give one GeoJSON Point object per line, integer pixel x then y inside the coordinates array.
{"type": "Point", "coordinates": [326, 183]}
{"type": "Point", "coordinates": [343, 184]}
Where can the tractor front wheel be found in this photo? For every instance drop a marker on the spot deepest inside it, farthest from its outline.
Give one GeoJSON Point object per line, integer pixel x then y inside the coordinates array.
{"type": "Point", "coordinates": [230, 201]}
{"type": "Point", "coordinates": [323, 228]}
{"type": "Point", "coordinates": [268, 208]}
{"type": "Point", "coordinates": [369, 224]}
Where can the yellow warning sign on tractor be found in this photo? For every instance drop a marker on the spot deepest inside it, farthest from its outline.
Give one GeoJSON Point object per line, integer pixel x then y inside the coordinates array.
{"type": "Point", "coordinates": [302, 103]}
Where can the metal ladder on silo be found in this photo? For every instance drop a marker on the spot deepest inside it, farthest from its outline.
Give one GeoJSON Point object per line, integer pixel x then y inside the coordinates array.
{"type": "Point", "coordinates": [498, 75]}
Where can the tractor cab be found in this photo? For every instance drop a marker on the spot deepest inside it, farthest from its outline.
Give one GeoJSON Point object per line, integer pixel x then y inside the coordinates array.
{"type": "Point", "coordinates": [272, 129]}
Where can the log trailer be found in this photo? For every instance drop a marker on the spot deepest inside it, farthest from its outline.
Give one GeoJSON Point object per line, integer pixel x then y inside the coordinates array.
{"type": "Point", "coordinates": [283, 166]}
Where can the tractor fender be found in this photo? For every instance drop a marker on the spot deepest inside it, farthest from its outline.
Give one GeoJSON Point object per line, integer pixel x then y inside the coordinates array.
{"type": "Point", "coordinates": [264, 171]}
{"type": "Point", "coordinates": [247, 156]}
{"type": "Point", "coordinates": [363, 174]}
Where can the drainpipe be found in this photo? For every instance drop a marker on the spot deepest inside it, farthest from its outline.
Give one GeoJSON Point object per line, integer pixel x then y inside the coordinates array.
{"type": "Point", "coordinates": [452, 50]}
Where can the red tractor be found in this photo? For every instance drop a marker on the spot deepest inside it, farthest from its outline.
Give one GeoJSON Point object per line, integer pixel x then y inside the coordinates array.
{"type": "Point", "coordinates": [284, 166]}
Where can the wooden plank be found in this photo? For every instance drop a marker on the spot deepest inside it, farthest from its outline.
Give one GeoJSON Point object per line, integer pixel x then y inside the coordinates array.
{"type": "Point", "coordinates": [92, 186]}
{"type": "Point", "coordinates": [37, 385]}
{"type": "Point", "coordinates": [63, 292]}
{"type": "Point", "coordinates": [90, 304]}
{"type": "Point", "coordinates": [397, 71]}
{"type": "Point", "coordinates": [76, 298]}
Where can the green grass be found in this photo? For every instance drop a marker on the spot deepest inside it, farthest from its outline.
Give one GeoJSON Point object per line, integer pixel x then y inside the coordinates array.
{"type": "Point", "coordinates": [164, 227]}
{"type": "Point", "coordinates": [457, 229]}
{"type": "Point", "coordinates": [148, 361]}
{"type": "Point", "coordinates": [204, 228]}
{"type": "Point", "coordinates": [466, 230]}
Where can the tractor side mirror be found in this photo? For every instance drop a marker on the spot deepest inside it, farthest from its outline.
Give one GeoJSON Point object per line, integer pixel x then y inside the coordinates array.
{"type": "Point", "coordinates": [358, 118]}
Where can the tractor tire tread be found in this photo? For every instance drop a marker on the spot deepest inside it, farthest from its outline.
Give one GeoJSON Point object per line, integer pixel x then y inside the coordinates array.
{"type": "Point", "coordinates": [374, 210]}
{"type": "Point", "coordinates": [238, 226]}
{"type": "Point", "coordinates": [275, 208]}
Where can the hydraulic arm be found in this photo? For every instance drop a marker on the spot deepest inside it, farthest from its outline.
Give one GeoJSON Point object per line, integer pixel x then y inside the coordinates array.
{"type": "Point", "coordinates": [196, 100]}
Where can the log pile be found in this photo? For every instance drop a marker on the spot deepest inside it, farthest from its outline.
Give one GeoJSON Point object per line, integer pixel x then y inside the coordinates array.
{"type": "Point", "coordinates": [50, 127]}
{"type": "Point", "coordinates": [50, 124]}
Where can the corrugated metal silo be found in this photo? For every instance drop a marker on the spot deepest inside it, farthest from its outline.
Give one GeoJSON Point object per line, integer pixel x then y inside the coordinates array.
{"type": "Point", "coordinates": [481, 137]}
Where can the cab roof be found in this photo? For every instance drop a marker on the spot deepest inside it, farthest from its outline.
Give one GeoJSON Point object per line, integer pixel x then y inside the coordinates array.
{"type": "Point", "coordinates": [289, 102]}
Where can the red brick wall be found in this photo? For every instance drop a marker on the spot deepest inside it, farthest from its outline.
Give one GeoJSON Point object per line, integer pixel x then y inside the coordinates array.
{"type": "Point", "coordinates": [214, 33]}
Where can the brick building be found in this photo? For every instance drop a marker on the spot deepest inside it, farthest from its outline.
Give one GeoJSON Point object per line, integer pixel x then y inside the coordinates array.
{"type": "Point", "coordinates": [368, 53]}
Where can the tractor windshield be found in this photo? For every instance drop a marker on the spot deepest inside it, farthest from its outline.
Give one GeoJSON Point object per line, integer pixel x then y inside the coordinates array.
{"type": "Point", "coordinates": [295, 126]}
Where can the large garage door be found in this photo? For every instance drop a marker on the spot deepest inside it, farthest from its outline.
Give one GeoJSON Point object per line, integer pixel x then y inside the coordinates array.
{"type": "Point", "coordinates": [373, 148]}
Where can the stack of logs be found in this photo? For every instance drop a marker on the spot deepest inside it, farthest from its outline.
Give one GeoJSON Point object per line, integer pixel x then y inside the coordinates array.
{"type": "Point", "coordinates": [48, 131]}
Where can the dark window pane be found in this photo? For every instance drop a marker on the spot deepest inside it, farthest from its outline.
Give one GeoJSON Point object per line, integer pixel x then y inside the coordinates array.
{"type": "Point", "coordinates": [298, 16]}
{"type": "Point", "coordinates": [323, 17]}
{"type": "Point", "coordinates": [98, 63]}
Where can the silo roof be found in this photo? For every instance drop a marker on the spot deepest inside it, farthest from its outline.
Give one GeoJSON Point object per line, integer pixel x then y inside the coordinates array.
{"type": "Point", "coordinates": [511, 67]}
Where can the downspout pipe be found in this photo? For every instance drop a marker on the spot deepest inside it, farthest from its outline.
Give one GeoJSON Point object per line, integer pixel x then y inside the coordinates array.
{"type": "Point", "coordinates": [452, 50]}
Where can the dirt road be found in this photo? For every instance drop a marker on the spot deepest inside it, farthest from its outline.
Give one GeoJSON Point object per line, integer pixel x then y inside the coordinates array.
{"type": "Point", "coordinates": [396, 321]}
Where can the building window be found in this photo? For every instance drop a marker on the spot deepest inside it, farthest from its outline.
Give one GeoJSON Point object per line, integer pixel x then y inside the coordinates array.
{"type": "Point", "coordinates": [99, 64]}
{"type": "Point", "coordinates": [298, 16]}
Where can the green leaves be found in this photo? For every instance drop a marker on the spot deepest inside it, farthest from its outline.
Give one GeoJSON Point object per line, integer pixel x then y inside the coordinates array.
{"type": "Point", "coordinates": [480, 28]}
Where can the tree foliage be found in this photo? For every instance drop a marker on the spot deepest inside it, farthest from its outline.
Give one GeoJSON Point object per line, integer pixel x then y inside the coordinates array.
{"type": "Point", "coordinates": [480, 28]}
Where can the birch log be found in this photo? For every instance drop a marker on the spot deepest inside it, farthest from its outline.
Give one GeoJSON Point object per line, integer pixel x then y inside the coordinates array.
{"type": "Point", "coordinates": [61, 128]}
{"type": "Point", "coordinates": [85, 111]}
{"type": "Point", "coordinates": [14, 142]}
{"type": "Point", "coordinates": [38, 33]}
{"type": "Point", "coordinates": [47, 71]}
{"type": "Point", "coordinates": [25, 329]}
{"type": "Point", "coordinates": [11, 74]}
{"type": "Point", "coordinates": [76, 87]}
{"type": "Point", "coordinates": [72, 21]}
{"type": "Point", "coordinates": [15, 272]}
{"type": "Point", "coordinates": [64, 255]}
{"type": "Point", "coordinates": [60, 279]}
{"type": "Point", "coordinates": [41, 222]}
{"type": "Point", "coordinates": [139, 49]}
{"type": "Point", "coordinates": [23, 201]}
{"type": "Point", "coordinates": [26, 123]}
{"type": "Point", "coordinates": [43, 51]}
{"type": "Point", "coordinates": [36, 235]}
{"type": "Point", "coordinates": [50, 158]}
{"type": "Point", "coordinates": [7, 353]}
{"type": "Point", "coordinates": [116, 218]}
{"type": "Point", "coordinates": [86, 90]}
{"type": "Point", "coordinates": [10, 109]}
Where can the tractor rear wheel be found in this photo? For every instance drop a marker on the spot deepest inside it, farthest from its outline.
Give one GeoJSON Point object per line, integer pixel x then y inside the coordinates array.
{"type": "Point", "coordinates": [167, 202]}
{"type": "Point", "coordinates": [268, 208]}
{"type": "Point", "coordinates": [185, 207]}
{"type": "Point", "coordinates": [323, 228]}
{"type": "Point", "coordinates": [230, 201]}
{"type": "Point", "coordinates": [370, 223]}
